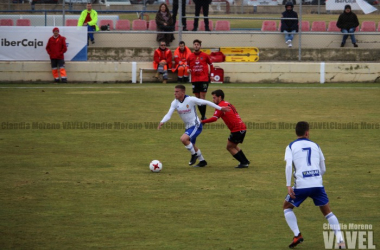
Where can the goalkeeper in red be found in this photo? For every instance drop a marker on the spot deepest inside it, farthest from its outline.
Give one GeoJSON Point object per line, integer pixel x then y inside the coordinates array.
{"type": "Point", "coordinates": [234, 123]}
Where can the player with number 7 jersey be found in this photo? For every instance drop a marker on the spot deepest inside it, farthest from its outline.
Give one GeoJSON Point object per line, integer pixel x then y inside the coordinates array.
{"type": "Point", "coordinates": [309, 166]}
{"type": "Point", "coordinates": [234, 123]}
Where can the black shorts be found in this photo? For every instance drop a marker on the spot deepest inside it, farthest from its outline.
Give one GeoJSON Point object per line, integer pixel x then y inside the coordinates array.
{"type": "Point", "coordinates": [200, 87]}
{"type": "Point", "coordinates": [57, 63]}
{"type": "Point", "coordinates": [237, 137]}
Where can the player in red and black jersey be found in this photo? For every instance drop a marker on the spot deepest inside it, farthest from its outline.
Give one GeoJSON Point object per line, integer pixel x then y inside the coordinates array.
{"type": "Point", "coordinates": [235, 125]}
{"type": "Point", "coordinates": [198, 66]}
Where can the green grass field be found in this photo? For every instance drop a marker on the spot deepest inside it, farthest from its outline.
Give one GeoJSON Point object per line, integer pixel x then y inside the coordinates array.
{"type": "Point", "coordinates": [69, 187]}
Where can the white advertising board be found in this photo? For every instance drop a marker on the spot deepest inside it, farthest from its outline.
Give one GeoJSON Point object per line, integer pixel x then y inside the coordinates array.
{"type": "Point", "coordinates": [28, 43]}
{"type": "Point", "coordinates": [355, 5]}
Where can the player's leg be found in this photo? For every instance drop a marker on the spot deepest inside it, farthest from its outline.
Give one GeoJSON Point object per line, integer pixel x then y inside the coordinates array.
{"type": "Point", "coordinates": [202, 161]}
{"type": "Point", "coordinates": [185, 139]}
{"type": "Point", "coordinates": [54, 69]}
{"type": "Point", "coordinates": [197, 93]}
{"type": "Point", "coordinates": [290, 217]}
{"type": "Point", "coordinates": [189, 139]}
{"type": "Point", "coordinates": [196, 90]}
{"type": "Point", "coordinates": [232, 146]}
{"type": "Point", "coordinates": [320, 199]}
{"type": "Point", "coordinates": [203, 91]}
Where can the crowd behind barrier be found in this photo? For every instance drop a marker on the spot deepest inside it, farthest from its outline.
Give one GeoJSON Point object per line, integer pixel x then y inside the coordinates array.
{"type": "Point", "coordinates": [138, 24]}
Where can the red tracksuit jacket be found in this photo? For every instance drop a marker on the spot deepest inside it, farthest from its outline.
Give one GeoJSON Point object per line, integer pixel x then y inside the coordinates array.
{"type": "Point", "coordinates": [198, 63]}
{"type": "Point", "coordinates": [56, 47]}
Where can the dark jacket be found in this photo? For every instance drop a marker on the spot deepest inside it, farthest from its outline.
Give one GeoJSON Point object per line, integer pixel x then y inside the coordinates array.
{"type": "Point", "coordinates": [347, 21]}
{"type": "Point", "coordinates": [289, 25]}
{"type": "Point", "coordinates": [56, 47]}
{"type": "Point", "coordinates": [168, 38]}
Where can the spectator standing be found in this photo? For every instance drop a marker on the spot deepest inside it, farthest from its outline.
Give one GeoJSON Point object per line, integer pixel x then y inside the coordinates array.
{"type": "Point", "coordinates": [89, 18]}
{"type": "Point", "coordinates": [162, 60]}
{"type": "Point", "coordinates": [175, 11]}
{"type": "Point", "coordinates": [198, 63]}
{"type": "Point", "coordinates": [56, 47]}
{"type": "Point", "coordinates": [347, 22]}
{"type": "Point", "coordinates": [164, 22]}
{"type": "Point", "coordinates": [204, 5]}
{"type": "Point", "coordinates": [289, 27]}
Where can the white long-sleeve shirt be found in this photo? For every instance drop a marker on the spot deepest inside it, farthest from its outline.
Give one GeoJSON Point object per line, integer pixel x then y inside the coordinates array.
{"type": "Point", "coordinates": [187, 110]}
{"type": "Point", "coordinates": [308, 161]}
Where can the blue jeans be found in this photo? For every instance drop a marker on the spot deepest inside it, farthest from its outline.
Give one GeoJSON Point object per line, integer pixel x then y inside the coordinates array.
{"type": "Point", "coordinates": [289, 35]}
{"type": "Point", "coordinates": [344, 31]}
{"type": "Point", "coordinates": [91, 35]}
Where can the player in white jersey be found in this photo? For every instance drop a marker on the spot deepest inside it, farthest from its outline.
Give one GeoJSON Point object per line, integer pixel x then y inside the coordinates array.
{"type": "Point", "coordinates": [309, 166]}
{"type": "Point", "coordinates": [186, 108]}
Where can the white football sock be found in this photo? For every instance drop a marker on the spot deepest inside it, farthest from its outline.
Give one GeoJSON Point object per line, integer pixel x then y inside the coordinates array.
{"type": "Point", "coordinates": [200, 156]}
{"type": "Point", "coordinates": [190, 147]}
{"type": "Point", "coordinates": [334, 224]}
{"type": "Point", "coordinates": [291, 219]}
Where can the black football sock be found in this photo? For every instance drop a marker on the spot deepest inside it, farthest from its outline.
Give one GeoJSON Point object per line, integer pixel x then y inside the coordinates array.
{"type": "Point", "coordinates": [238, 156]}
{"type": "Point", "coordinates": [245, 160]}
{"type": "Point", "coordinates": [202, 110]}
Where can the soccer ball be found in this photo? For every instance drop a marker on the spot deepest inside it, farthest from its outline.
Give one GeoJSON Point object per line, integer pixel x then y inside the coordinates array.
{"type": "Point", "coordinates": [155, 166]}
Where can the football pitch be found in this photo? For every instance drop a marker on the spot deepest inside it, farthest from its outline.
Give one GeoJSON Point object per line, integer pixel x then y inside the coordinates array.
{"type": "Point", "coordinates": [75, 167]}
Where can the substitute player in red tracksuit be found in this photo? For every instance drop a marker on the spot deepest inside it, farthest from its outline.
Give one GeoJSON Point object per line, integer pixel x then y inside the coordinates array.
{"type": "Point", "coordinates": [56, 47]}
{"type": "Point", "coordinates": [198, 62]}
{"type": "Point", "coordinates": [180, 58]}
{"type": "Point", "coordinates": [162, 61]}
{"type": "Point", "coordinates": [234, 123]}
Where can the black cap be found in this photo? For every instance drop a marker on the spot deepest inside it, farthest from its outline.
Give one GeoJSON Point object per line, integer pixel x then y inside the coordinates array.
{"type": "Point", "coordinates": [347, 7]}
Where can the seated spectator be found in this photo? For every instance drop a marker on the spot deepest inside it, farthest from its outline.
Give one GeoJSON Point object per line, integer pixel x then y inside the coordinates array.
{"type": "Point", "coordinates": [162, 61]}
{"type": "Point", "coordinates": [164, 22]}
{"type": "Point", "coordinates": [347, 22]}
{"type": "Point", "coordinates": [289, 27]}
{"type": "Point", "coordinates": [180, 58]}
{"type": "Point", "coordinates": [89, 18]}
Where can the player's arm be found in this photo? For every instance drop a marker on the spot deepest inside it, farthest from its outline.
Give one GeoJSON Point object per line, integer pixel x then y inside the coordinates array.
{"type": "Point", "coordinates": [208, 60]}
{"type": "Point", "coordinates": [288, 171]}
{"type": "Point", "coordinates": [209, 120]}
{"type": "Point", "coordinates": [167, 116]}
{"type": "Point", "coordinates": [214, 118]}
{"type": "Point", "coordinates": [322, 165]}
{"type": "Point", "coordinates": [188, 61]}
{"type": "Point", "coordinates": [211, 104]}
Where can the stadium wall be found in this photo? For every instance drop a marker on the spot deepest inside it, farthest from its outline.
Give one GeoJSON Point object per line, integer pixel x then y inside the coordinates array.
{"type": "Point", "coordinates": [265, 54]}
{"type": "Point", "coordinates": [271, 72]}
